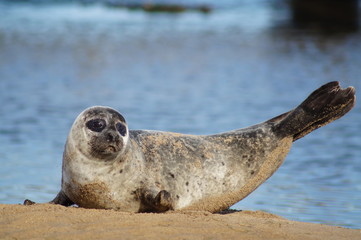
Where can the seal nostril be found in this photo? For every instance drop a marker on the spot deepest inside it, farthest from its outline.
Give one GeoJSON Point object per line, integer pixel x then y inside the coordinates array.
{"type": "Point", "coordinates": [117, 137]}
{"type": "Point", "coordinates": [111, 137]}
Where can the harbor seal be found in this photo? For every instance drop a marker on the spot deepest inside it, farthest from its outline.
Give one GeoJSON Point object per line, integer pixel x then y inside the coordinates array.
{"type": "Point", "coordinates": [108, 166]}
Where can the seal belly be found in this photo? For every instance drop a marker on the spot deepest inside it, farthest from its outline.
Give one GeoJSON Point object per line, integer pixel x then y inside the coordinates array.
{"type": "Point", "coordinates": [99, 196]}
{"type": "Point", "coordinates": [96, 185]}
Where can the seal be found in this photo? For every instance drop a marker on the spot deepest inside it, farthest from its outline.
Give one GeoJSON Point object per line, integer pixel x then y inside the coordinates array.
{"type": "Point", "coordinates": [109, 167]}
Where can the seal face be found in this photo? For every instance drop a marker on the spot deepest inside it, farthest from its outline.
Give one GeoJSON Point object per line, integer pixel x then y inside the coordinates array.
{"type": "Point", "coordinates": [105, 133]}
{"type": "Point", "coordinates": [107, 166]}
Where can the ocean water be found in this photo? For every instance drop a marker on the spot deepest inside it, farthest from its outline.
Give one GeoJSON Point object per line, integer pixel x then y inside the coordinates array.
{"type": "Point", "coordinates": [192, 73]}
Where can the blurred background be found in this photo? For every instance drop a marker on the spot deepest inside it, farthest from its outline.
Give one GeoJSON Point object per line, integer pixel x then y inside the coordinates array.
{"type": "Point", "coordinates": [190, 66]}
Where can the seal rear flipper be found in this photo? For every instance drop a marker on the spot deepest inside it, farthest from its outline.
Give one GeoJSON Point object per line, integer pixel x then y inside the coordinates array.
{"type": "Point", "coordinates": [324, 105]}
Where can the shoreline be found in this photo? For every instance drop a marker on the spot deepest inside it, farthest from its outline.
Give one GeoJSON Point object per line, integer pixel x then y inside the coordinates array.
{"type": "Point", "coordinates": [58, 222]}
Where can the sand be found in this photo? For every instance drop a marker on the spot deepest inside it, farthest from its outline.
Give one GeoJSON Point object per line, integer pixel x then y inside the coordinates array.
{"type": "Point", "coordinates": [45, 221]}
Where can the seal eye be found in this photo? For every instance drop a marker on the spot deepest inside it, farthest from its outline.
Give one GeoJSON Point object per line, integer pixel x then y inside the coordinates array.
{"type": "Point", "coordinates": [121, 129]}
{"type": "Point", "coordinates": [96, 125]}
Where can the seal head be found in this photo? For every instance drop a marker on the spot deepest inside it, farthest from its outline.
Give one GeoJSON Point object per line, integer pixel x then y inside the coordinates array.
{"type": "Point", "coordinates": [99, 133]}
{"type": "Point", "coordinates": [98, 161]}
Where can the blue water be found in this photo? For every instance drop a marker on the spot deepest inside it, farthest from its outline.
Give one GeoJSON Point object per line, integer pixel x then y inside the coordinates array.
{"type": "Point", "coordinates": [190, 73]}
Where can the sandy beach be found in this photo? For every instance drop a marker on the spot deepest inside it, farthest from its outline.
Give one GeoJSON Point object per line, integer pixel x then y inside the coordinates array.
{"type": "Point", "coordinates": [45, 221]}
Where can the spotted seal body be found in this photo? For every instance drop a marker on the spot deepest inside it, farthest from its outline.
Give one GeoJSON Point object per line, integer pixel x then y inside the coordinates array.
{"type": "Point", "coordinates": [107, 166]}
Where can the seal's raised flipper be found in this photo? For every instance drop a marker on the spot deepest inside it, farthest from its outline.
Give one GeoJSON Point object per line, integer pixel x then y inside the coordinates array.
{"type": "Point", "coordinates": [61, 199]}
{"type": "Point", "coordinates": [323, 106]}
{"type": "Point", "coordinates": [161, 202]}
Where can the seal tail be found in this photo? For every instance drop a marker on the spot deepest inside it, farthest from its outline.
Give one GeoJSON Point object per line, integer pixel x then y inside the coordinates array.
{"type": "Point", "coordinates": [324, 105]}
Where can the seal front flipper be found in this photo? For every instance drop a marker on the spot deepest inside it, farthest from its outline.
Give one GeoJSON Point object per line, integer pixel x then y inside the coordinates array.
{"type": "Point", "coordinates": [61, 199]}
{"type": "Point", "coordinates": [324, 105]}
{"type": "Point", "coordinates": [151, 201]}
